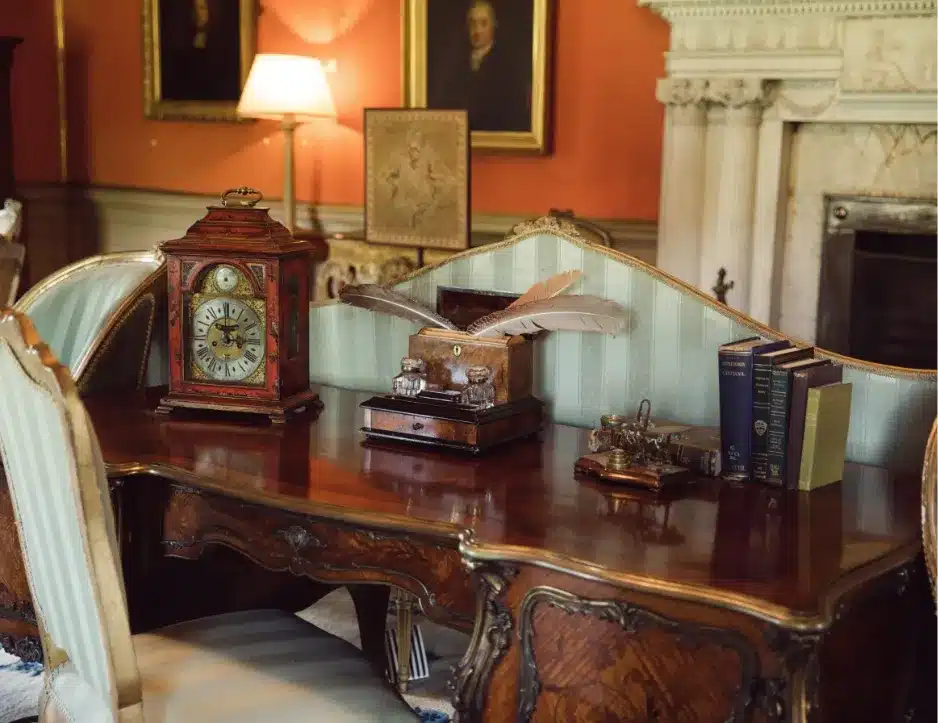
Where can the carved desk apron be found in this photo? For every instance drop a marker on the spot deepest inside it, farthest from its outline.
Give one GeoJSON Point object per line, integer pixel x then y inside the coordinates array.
{"type": "Point", "coordinates": [721, 603]}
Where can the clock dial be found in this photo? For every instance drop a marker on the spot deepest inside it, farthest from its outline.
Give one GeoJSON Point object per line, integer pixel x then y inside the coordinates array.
{"type": "Point", "coordinates": [227, 339]}
{"type": "Point", "coordinates": [226, 278]}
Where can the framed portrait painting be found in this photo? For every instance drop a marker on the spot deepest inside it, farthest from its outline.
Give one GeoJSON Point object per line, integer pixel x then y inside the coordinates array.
{"type": "Point", "coordinates": [197, 56]}
{"type": "Point", "coordinates": [490, 57]}
{"type": "Point", "coordinates": [417, 177]}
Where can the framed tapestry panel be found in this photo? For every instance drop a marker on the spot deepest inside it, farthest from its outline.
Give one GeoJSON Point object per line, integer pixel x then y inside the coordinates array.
{"type": "Point", "coordinates": [491, 57]}
{"type": "Point", "coordinates": [197, 55]}
{"type": "Point", "coordinates": [417, 177]}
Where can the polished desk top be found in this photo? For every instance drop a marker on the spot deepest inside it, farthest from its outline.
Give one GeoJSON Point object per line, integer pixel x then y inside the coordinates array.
{"type": "Point", "coordinates": [779, 554]}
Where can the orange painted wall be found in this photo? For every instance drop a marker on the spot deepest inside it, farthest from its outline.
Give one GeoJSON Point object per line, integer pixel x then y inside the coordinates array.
{"type": "Point", "coordinates": [35, 102]}
{"type": "Point", "coordinates": [607, 123]}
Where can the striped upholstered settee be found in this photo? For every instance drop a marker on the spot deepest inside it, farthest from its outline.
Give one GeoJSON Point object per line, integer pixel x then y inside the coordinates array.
{"type": "Point", "coordinates": [668, 355]}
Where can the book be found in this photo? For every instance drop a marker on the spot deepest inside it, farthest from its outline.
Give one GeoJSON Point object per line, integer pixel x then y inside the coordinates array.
{"type": "Point", "coordinates": [779, 406]}
{"type": "Point", "coordinates": [801, 382]}
{"type": "Point", "coordinates": [735, 384]}
{"type": "Point", "coordinates": [826, 423]}
{"type": "Point", "coordinates": [761, 397]}
{"type": "Point", "coordinates": [697, 449]}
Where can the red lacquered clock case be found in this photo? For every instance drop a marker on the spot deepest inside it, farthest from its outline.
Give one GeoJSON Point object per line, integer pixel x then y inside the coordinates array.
{"type": "Point", "coordinates": [277, 268]}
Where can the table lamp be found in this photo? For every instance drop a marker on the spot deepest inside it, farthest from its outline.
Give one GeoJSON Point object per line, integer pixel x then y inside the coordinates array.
{"type": "Point", "coordinates": [293, 90]}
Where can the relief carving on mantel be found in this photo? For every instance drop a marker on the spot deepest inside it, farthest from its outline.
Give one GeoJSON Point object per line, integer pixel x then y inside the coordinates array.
{"type": "Point", "coordinates": [895, 55]}
{"type": "Point", "coordinates": [756, 34]}
{"type": "Point", "coordinates": [676, 10]}
{"type": "Point", "coordinates": [858, 47]}
{"type": "Point", "coordinates": [739, 92]}
{"type": "Point", "coordinates": [729, 92]}
{"type": "Point", "coordinates": [681, 91]}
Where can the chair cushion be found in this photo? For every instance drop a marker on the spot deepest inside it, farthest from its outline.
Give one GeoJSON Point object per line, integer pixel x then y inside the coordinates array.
{"type": "Point", "coordinates": [260, 665]}
{"type": "Point", "coordinates": [67, 697]}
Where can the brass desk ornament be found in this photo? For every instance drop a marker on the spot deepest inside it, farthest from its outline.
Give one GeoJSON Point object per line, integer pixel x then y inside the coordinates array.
{"type": "Point", "coordinates": [628, 452]}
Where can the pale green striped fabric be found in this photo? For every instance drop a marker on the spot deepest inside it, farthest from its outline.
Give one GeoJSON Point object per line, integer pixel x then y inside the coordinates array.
{"type": "Point", "coordinates": [257, 667]}
{"type": "Point", "coordinates": [669, 355]}
{"type": "Point", "coordinates": [71, 313]}
{"type": "Point", "coordinates": [42, 477]}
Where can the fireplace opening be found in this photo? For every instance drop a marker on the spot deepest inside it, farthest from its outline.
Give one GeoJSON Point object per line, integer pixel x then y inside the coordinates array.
{"type": "Point", "coordinates": [878, 294]}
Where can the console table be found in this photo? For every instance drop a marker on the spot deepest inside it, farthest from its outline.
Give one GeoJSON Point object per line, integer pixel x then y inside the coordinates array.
{"type": "Point", "coordinates": [722, 602]}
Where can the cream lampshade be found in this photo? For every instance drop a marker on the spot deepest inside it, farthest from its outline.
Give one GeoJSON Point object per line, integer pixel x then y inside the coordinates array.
{"type": "Point", "coordinates": [291, 89]}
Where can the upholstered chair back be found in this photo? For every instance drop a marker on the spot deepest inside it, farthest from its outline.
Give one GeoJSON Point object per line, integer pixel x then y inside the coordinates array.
{"type": "Point", "coordinates": [66, 529]}
{"type": "Point", "coordinates": [668, 355]}
{"type": "Point", "coordinates": [101, 309]}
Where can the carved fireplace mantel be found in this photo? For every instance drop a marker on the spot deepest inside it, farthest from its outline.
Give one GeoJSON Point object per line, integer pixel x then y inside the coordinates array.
{"type": "Point", "coordinates": [740, 75]}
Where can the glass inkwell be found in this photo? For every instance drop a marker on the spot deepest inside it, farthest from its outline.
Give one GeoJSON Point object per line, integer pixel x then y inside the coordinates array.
{"type": "Point", "coordinates": [480, 391]}
{"type": "Point", "coordinates": [412, 380]}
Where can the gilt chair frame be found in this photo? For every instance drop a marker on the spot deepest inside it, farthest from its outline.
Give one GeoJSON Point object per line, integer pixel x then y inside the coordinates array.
{"type": "Point", "coordinates": [44, 370]}
{"type": "Point", "coordinates": [15, 253]}
{"type": "Point", "coordinates": [151, 286]}
{"type": "Point", "coordinates": [929, 511]}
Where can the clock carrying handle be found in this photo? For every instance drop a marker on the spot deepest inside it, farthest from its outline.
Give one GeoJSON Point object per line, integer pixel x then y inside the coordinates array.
{"type": "Point", "coordinates": [241, 196]}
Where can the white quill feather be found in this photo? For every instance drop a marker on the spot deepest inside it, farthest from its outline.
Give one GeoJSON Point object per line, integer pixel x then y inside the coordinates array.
{"type": "Point", "coordinates": [386, 301]}
{"type": "Point", "coordinates": [561, 313]}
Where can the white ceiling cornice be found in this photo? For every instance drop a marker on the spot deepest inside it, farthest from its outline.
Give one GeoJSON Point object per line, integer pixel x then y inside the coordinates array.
{"type": "Point", "coordinates": [679, 9]}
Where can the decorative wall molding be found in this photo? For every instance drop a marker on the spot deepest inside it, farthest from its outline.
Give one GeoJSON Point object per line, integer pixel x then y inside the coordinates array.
{"type": "Point", "coordinates": [858, 61]}
{"type": "Point", "coordinates": [677, 9]}
{"type": "Point", "coordinates": [122, 219]}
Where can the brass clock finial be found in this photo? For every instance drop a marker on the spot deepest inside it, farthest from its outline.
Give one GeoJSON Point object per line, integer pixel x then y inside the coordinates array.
{"type": "Point", "coordinates": [243, 192]}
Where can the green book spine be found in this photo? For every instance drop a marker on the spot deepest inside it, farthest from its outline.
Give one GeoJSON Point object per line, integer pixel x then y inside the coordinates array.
{"type": "Point", "coordinates": [809, 447]}
{"type": "Point", "coordinates": [826, 425]}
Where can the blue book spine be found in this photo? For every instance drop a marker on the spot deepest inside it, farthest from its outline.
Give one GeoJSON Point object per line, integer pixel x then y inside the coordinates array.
{"type": "Point", "coordinates": [735, 412]}
{"type": "Point", "coordinates": [736, 396]}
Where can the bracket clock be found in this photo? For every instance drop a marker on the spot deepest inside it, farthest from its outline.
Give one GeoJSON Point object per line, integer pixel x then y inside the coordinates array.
{"type": "Point", "coordinates": [238, 285]}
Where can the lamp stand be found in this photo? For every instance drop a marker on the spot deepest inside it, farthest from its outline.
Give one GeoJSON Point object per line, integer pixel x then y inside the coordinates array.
{"type": "Point", "coordinates": [288, 124]}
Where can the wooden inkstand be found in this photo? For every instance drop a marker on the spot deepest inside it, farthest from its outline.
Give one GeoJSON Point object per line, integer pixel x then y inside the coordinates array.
{"type": "Point", "coordinates": [472, 389]}
{"type": "Point", "coordinates": [440, 415]}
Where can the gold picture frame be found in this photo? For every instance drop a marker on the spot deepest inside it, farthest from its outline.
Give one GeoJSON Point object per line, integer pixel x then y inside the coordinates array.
{"type": "Point", "coordinates": [417, 177]}
{"type": "Point", "coordinates": [460, 37]}
{"type": "Point", "coordinates": [196, 57]}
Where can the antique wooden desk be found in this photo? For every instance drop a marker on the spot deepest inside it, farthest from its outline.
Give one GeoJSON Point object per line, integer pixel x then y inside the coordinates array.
{"type": "Point", "coordinates": [727, 602]}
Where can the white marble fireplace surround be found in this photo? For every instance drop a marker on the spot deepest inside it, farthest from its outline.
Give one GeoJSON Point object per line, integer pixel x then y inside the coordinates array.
{"type": "Point", "coordinates": [771, 104]}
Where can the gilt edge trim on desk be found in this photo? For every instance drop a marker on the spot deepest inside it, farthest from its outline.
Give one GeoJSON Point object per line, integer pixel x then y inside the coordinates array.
{"type": "Point", "coordinates": [778, 615]}
{"type": "Point", "coordinates": [478, 552]}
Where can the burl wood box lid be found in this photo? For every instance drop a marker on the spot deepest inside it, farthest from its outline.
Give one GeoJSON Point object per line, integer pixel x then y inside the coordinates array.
{"type": "Point", "coordinates": [448, 354]}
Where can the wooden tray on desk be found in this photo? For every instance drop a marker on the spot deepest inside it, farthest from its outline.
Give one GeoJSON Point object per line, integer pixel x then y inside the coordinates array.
{"type": "Point", "coordinates": [448, 425]}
